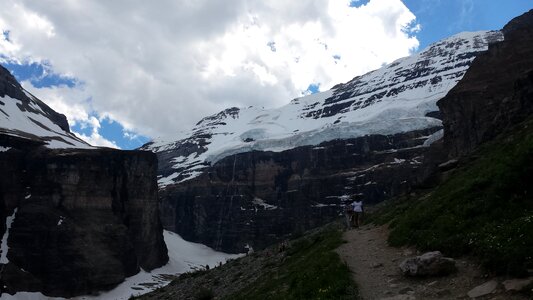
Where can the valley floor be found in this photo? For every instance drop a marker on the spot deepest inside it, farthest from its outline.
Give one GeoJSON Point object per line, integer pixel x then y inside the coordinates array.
{"type": "Point", "coordinates": [374, 267]}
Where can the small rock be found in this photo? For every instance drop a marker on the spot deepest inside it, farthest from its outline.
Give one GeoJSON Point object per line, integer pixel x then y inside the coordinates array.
{"type": "Point", "coordinates": [377, 265]}
{"type": "Point", "coordinates": [442, 292]}
{"type": "Point", "coordinates": [432, 283]}
{"type": "Point", "coordinates": [406, 290]}
{"type": "Point", "coordinates": [407, 252]}
{"type": "Point", "coordinates": [484, 289]}
{"type": "Point", "coordinates": [517, 285]}
{"type": "Point", "coordinates": [393, 285]}
{"type": "Point", "coordinates": [428, 264]}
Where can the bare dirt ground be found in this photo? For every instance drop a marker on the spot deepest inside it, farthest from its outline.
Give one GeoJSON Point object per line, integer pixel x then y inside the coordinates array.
{"type": "Point", "coordinates": [375, 270]}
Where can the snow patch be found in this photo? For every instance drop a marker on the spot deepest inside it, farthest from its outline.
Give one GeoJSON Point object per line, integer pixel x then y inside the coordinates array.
{"type": "Point", "coordinates": [4, 248]}
{"type": "Point", "coordinates": [164, 181]}
{"type": "Point", "coordinates": [184, 256]}
{"type": "Point", "coordinates": [261, 202]}
{"type": "Point", "coordinates": [433, 138]}
{"type": "Point", "coordinates": [17, 122]}
{"type": "Point", "coordinates": [4, 149]}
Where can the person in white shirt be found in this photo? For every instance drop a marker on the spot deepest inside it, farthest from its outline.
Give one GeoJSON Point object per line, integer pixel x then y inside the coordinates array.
{"type": "Point", "coordinates": [358, 211]}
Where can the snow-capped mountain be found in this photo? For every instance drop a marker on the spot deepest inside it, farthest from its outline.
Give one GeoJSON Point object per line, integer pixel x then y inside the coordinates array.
{"type": "Point", "coordinates": [397, 98]}
{"type": "Point", "coordinates": [22, 115]}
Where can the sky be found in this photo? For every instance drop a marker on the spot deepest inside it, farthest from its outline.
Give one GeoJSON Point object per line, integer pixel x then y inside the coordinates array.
{"type": "Point", "coordinates": [124, 72]}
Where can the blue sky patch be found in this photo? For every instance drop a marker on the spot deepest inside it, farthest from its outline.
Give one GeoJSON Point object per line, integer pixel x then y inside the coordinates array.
{"type": "Point", "coordinates": [272, 46]}
{"type": "Point", "coordinates": [313, 88]}
{"type": "Point", "coordinates": [115, 132]}
{"type": "Point", "coordinates": [358, 3]}
{"type": "Point", "coordinates": [40, 75]}
{"type": "Point", "coordinates": [79, 128]}
{"type": "Point", "coordinates": [5, 34]}
{"type": "Point", "coordinates": [440, 19]}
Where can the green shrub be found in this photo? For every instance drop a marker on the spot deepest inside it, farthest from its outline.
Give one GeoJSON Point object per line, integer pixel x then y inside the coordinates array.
{"type": "Point", "coordinates": [485, 208]}
{"type": "Point", "coordinates": [311, 270]}
{"type": "Point", "coordinates": [204, 294]}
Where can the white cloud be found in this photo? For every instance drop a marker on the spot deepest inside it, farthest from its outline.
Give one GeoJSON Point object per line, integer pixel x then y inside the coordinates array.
{"type": "Point", "coordinates": [96, 139]}
{"type": "Point", "coordinates": [157, 68]}
{"type": "Point", "coordinates": [73, 103]}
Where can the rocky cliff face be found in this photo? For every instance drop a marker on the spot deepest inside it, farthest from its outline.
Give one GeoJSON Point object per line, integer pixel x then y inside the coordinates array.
{"type": "Point", "coordinates": [259, 198]}
{"type": "Point", "coordinates": [496, 92]}
{"type": "Point", "coordinates": [255, 176]}
{"type": "Point", "coordinates": [72, 221]}
{"type": "Point", "coordinates": [83, 220]}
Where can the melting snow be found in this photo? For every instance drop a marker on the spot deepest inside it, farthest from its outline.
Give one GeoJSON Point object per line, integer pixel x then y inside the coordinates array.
{"type": "Point", "coordinates": [183, 257]}
{"type": "Point", "coordinates": [164, 181]}
{"type": "Point", "coordinates": [261, 202]}
{"type": "Point", "coordinates": [4, 248]}
{"type": "Point", "coordinates": [433, 138]}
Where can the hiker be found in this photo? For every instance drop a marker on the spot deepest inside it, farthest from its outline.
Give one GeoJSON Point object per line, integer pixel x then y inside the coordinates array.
{"type": "Point", "coordinates": [358, 211]}
{"type": "Point", "coordinates": [348, 214]}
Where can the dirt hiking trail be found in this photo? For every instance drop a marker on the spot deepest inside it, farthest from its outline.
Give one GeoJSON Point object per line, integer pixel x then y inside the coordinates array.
{"type": "Point", "coordinates": [374, 267]}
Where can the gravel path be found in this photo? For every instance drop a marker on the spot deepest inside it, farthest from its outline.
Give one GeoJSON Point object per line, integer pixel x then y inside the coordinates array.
{"type": "Point", "coordinates": [375, 270]}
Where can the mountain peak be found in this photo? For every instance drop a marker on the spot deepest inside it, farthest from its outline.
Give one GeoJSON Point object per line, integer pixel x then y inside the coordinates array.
{"type": "Point", "coordinates": [399, 97]}
{"type": "Point", "coordinates": [25, 116]}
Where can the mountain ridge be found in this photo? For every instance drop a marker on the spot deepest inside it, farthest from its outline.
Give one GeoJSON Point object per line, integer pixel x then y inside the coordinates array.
{"type": "Point", "coordinates": [255, 176]}
{"type": "Point", "coordinates": [23, 115]}
{"type": "Point", "coordinates": [383, 101]}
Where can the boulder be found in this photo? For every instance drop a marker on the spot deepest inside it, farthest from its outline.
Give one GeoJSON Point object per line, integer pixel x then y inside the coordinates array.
{"type": "Point", "coordinates": [428, 264]}
{"type": "Point", "coordinates": [517, 285]}
{"type": "Point", "coordinates": [484, 289]}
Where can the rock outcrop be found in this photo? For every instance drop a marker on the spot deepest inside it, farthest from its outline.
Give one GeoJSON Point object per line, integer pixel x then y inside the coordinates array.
{"type": "Point", "coordinates": [428, 264]}
{"type": "Point", "coordinates": [496, 92]}
{"type": "Point", "coordinates": [85, 219]}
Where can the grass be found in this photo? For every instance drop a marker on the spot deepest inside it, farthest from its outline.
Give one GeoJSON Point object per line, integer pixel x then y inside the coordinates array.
{"type": "Point", "coordinates": [311, 270]}
{"type": "Point", "coordinates": [485, 208]}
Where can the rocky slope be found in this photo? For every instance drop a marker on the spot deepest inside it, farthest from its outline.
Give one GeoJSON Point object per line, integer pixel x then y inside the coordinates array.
{"type": "Point", "coordinates": [254, 176]}
{"type": "Point", "coordinates": [496, 93]}
{"type": "Point", "coordinates": [73, 221]}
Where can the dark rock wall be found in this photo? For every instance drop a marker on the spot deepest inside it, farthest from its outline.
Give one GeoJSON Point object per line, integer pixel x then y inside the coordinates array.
{"type": "Point", "coordinates": [259, 198]}
{"type": "Point", "coordinates": [86, 219]}
{"type": "Point", "coordinates": [495, 93]}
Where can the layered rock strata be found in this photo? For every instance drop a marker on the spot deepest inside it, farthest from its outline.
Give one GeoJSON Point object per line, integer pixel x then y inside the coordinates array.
{"type": "Point", "coordinates": [83, 220]}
